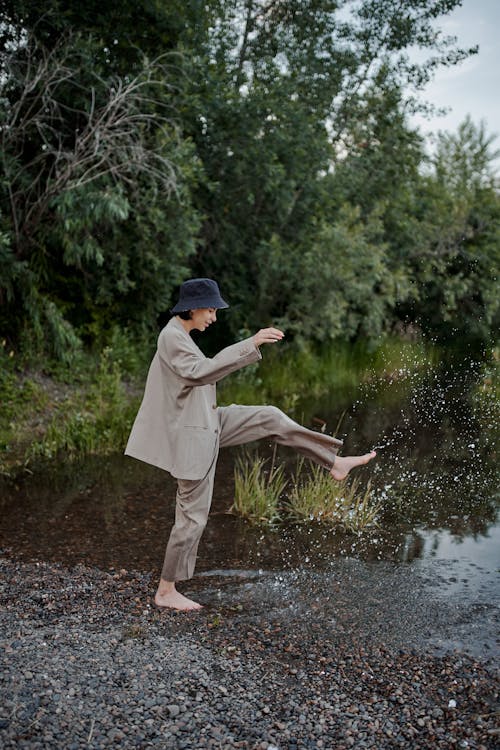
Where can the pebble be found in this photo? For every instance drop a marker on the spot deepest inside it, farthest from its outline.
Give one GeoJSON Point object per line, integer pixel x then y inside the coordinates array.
{"type": "Point", "coordinates": [114, 672]}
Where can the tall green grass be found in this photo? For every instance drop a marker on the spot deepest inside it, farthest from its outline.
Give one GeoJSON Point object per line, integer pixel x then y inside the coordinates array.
{"type": "Point", "coordinates": [23, 400]}
{"type": "Point", "coordinates": [288, 372]}
{"type": "Point", "coordinates": [264, 496]}
{"type": "Point", "coordinates": [258, 489]}
{"type": "Point", "coordinates": [85, 404]}
{"type": "Point", "coordinates": [486, 401]}
{"type": "Point", "coordinates": [316, 497]}
{"type": "Point", "coordinates": [89, 406]}
{"type": "Point", "coordinates": [93, 420]}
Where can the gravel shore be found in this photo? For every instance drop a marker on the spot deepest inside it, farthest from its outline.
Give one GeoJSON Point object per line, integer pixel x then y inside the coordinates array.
{"type": "Point", "coordinates": [274, 661]}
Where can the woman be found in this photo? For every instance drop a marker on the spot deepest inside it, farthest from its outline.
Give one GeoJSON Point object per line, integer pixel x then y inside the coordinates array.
{"type": "Point", "coordinates": [180, 428]}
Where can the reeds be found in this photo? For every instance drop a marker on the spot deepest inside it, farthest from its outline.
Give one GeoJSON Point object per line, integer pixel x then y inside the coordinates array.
{"type": "Point", "coordinates": [264, 495]}
{"type": "Point", "coordinates": [316, 497]}
{"type": "Point", "coordinates": [257, 491]}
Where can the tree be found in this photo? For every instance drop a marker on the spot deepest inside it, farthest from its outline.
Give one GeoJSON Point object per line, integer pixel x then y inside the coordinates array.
{"type": "Point", "coordinates": [80, 152]}
{"type": "Point", "coordinates": [289, 93]}
{"type": "Point", "coordinates": [455, 264]}
{"type": "Point", "coordinates": [279, 127]}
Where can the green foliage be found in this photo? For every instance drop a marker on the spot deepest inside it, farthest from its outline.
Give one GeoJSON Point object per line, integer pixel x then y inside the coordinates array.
{"type": "Point", "coordinates": [264, 144]}
{"type": "Point", "coordinates": [283, 231]}
{"type": "Point", "coordinates": [463, 162]}
{"type": "Point", "coordinates": [11, 269]}
{"type": "Point", "coordinates": [486, 402]}
{"type": "Point", "coordinates": [126, 29]}
{"type": "Point", "coordinates": [88, 404]}
{"type": "Point", "coordinates": [18, 396]}
{"type": "Point", "coordinates": [257, 491]}
{"type": "Point", "coordinates": [23, 400]}
{"type": "Point", "coordinates": [456, 263]}
{"type": "Point", "coordinates": [83, 406]}
{"type": "Point", "coordinates": [129, 351]}
{"type": "Point", "coordinates": [92, 162]}
{"type": "Point", "coordinates": [316, 497]}
{"type": "Point", "coordinates": [94, 420]}
{"type": "Point", "coordinates": [289, 372]}
{"type": "Point", "coordinates": [351, 294]}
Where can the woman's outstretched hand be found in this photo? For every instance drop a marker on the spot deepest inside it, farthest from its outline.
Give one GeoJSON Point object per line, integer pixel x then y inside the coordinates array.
{"type": "Point", "coordinates": [268, 336]}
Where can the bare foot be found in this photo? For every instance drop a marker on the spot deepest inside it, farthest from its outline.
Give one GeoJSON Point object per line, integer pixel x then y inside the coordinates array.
{"type": "Point", "coordinates": [173, 599]}
{"type": "Point", "coordinates": [344, 464]}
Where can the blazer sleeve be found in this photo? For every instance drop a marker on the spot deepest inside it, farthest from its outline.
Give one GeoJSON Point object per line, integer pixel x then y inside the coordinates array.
{"type": "Point", "coordinates": [193, 368]}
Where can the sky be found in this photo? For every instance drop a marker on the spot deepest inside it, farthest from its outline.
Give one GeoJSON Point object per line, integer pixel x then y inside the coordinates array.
{"type": "Point", "coordinates": [473, 86]}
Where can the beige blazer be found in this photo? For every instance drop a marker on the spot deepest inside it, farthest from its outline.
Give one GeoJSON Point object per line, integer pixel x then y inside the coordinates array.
{"type": "Point", "coordinates": [177, 426]}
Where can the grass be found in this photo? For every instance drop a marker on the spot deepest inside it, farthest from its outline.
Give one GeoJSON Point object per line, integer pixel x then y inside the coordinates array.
{"type": "Point", "coordinates": [314, 496]}
{"type": "Point", "coordinates": [88, 406]}
{"type": "Point", "coordinates": [486, 400]}
{"type": "Point", "coordinates": [24, 402]}
{"type": "Point", "coordinates": [257, 490]}
{"type": "Point", "coordinates": [286, 372]}
{"type": "Point", "coordinates": [97, 419]}
{"type": "Point", "coordinates": [43, 416]}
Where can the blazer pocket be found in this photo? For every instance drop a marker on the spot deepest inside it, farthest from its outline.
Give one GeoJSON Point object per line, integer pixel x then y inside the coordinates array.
{"type": "Point", "coordinates": [194, 451]}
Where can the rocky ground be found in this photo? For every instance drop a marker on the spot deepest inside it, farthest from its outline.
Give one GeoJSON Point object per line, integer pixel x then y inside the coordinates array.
{"type": "Point", "coordinates": [283, 661]}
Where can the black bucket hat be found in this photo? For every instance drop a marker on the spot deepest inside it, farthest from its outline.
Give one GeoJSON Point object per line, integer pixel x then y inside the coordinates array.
{"type": "Point", "coordinates": [196, 293]}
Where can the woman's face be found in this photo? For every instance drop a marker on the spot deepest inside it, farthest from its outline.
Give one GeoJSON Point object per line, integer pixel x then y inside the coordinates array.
{"type": "Point", "coordinates": [203, 317]}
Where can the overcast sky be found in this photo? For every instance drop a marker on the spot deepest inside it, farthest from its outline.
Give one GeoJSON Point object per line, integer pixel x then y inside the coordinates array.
{"type": "Point", "coordinates": [472, 87]}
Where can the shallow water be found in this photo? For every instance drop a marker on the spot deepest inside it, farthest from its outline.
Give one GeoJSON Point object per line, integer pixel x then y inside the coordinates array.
{"type": "Point", "coordinates": [434, 429]}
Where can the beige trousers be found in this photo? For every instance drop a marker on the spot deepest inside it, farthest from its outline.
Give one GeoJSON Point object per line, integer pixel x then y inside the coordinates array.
{"type": "Point", "coordinates": [237, 425]}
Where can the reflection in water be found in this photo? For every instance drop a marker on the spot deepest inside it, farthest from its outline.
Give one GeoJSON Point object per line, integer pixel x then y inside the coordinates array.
{"type": "Point", "coordinates": [435, 475]}
{"type": "Point", "coordinates": [412, 547]}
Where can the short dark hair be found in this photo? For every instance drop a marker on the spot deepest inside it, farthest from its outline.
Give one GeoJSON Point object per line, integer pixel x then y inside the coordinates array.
{"type": "Point", "coordinates": [185, 314]}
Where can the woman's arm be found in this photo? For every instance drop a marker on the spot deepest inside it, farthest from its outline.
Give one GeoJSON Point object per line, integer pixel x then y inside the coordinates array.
{"type": "Point", "coordinates": [181, 354]}
{"type": "Point", "coordinates": [185, 359]}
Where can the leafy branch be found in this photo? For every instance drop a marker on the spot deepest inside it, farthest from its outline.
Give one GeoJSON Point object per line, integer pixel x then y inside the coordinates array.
{"type": "Point", "coordinates": [60, 131]}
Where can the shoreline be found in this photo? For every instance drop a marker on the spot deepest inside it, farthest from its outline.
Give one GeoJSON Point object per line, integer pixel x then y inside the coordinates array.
{"type": "Point", "coordinates": [88, 662]}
